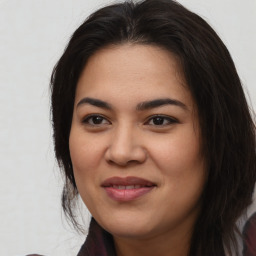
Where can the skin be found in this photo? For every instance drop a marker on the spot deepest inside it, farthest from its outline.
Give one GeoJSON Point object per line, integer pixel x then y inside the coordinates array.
{"type": "Point", "coordinates": [132, 142]}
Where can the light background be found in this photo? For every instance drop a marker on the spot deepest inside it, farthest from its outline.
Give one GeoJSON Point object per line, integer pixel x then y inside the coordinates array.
{"type": "Point", "coordinates": [33, 34]}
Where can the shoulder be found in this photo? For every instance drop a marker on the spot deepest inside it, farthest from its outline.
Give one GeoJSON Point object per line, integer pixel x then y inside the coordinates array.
{"type": "Point", "coordinates": [249, 234]}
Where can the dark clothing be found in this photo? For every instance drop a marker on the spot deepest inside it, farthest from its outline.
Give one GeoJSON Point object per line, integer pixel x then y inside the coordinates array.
{"type": "Point", "coordinates": [98, 242]}
{"type": "Point", "coordinates": [249, 235]}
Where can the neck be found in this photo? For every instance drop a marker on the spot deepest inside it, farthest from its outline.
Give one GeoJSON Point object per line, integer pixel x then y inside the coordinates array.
{"type": "Point", "coordinates": [164, 245]}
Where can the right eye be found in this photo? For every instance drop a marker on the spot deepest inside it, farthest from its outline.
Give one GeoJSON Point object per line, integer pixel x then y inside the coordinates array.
{"type": "Point", "coordinates": [95, 120]}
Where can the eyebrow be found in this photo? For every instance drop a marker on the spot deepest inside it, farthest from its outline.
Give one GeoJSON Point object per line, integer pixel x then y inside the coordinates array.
{"type": "Point", "coordinates": [140, 107]}
{"type": "Point", "coordinates": [94, 102]}
{"type": "Point", "coordinates": [158, 103]}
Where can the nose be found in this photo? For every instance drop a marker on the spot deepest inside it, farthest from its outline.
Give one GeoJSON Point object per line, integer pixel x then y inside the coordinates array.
{"type": "Point", "coordinates": [125, 147]}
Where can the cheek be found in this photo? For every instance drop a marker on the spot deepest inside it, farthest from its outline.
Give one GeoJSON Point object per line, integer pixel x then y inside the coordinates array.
{"type": "Point", "coordinates": [84, 159]}
{"type": "Point", "coordinates": [83, 162]}
{"type": "Point", "coordinates": [182, 167]}
{"type": "Point", "coordinates": [179, 152]}
{"type": "Point", "coordinates": [85, 152]}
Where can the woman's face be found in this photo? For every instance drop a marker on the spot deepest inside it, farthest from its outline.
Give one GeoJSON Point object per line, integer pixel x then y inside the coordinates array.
{"type": "Point", "coordinates": [135, 143]}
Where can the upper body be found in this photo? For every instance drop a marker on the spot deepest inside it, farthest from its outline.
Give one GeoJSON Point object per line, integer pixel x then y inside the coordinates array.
{"type": "Point", "coordinates": [100, 243]}
{"type": "Point", "coordinates": [152, 130]}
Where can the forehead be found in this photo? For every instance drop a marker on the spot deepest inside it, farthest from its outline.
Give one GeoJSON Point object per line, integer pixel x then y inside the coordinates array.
{"type": "Point", "coordinates": [132, 71]}
{"type": "Point", "coordinates": [134, 58]}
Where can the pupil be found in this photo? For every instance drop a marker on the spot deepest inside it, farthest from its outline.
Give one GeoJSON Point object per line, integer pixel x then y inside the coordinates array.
{"type": "Point", "coordinates": [158, 121]}
{"type": "Point", "coordinates": [97, 119]}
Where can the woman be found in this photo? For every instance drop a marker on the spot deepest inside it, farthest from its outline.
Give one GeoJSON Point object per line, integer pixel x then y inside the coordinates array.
{"type": "Point", "coordinates": [152, 130]}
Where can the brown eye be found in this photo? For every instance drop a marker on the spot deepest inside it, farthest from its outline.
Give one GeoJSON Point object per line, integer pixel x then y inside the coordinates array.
{"type": "Point", "coordinates": [161, 121]}
{"type": "Point", "coordinates": [158, 120]}
{"type": "Point", "coordinates": [96, 120]}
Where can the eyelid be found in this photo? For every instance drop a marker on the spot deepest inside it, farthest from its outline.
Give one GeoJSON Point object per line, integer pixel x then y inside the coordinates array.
{"type": "Point", "coordinates": [171, 120]}
{"type": "Point", "coordinates": [86, 118]}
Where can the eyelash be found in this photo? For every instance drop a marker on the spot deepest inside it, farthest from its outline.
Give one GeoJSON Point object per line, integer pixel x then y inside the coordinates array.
{"type": "Point", "coordinates": [170, 120]}
{"type": "Point", "coordinates": [87, 119]}
{"type": "Point", "coordinates": [163, 119]}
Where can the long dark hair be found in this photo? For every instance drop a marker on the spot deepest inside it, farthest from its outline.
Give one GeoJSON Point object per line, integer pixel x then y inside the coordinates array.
{"type": "Point", "coordinates": [228, 131]}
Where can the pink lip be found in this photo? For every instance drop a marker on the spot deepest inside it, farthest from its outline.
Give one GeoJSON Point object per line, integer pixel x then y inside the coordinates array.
{"type": "Point", "coordinates": [113, 190]}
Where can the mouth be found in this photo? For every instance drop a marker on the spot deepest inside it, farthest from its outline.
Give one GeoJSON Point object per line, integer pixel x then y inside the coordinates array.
{"type": "Point", "coordinates": [128, 188]}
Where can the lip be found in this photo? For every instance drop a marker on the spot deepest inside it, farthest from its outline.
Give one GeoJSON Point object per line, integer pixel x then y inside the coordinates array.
{"type": "Point", "coordinates": [128, 188]}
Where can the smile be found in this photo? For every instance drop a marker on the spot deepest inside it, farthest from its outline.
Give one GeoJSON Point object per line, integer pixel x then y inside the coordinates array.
{"type": "Point", "coordinates": [127, 189]}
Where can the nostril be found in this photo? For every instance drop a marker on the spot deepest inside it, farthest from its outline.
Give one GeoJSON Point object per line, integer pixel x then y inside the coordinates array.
{"type": "Point", "coordinates": [125, 155]}
{"type": "Point", "coordinates": [124, 163]}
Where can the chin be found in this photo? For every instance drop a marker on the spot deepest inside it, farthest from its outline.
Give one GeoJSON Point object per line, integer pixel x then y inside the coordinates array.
{"type": "Point", "coordinates": [129, 227]}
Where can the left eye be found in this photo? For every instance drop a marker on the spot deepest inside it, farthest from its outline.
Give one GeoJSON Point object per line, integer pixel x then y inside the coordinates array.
{"type": "Point", "coordinates": [95, 120]}
{"type": "Point", "coordinates": [161, 120]}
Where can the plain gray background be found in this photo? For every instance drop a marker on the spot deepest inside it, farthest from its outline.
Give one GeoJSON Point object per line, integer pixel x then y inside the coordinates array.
{"type": "Point", "coordinates": [33, 34]}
